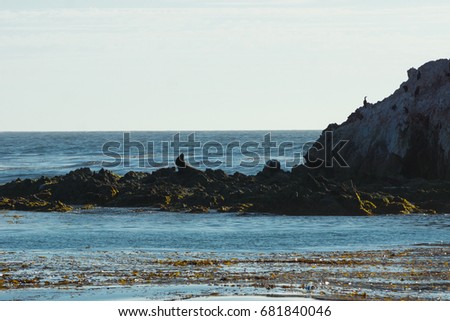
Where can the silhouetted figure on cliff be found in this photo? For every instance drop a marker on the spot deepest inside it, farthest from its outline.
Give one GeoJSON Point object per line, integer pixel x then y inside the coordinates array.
{"type": "Point", "coordinates": [417, 91]}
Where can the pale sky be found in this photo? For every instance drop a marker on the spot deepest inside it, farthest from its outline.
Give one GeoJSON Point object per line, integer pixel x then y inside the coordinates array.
{"type": "Point", "coordinates": [207, 65]}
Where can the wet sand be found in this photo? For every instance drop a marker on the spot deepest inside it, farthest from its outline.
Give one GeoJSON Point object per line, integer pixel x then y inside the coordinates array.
{"type": "Point", "coordinates": [419, 273]}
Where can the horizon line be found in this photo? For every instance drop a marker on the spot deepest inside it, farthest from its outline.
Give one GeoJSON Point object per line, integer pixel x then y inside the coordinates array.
{"type": "Point", "coordinates": [151, 130]}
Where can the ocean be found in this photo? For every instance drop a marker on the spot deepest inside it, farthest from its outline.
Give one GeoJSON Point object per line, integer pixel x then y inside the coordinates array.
{"type": "Point", "coordinates": [101, 242]}
{"type": "Point", "coordinates": [31, 155]}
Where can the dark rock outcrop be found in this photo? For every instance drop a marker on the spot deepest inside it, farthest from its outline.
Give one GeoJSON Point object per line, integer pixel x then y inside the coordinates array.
{"type": "Point", "coordinates": [296, 193]}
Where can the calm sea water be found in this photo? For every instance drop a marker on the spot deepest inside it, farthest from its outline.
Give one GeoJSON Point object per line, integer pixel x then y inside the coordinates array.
{"type": "Point", "coordinates": [118, 229]}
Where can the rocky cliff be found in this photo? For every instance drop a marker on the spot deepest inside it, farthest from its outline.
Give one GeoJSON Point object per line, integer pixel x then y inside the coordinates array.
{"type": "Point", "coordinates": [405, 135]}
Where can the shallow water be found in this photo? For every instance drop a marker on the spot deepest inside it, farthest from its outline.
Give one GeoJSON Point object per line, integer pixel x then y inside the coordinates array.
{"type": "Point", "coordinates": [114, 229]}
{"type": "Point", "coordinates": [108, 254]}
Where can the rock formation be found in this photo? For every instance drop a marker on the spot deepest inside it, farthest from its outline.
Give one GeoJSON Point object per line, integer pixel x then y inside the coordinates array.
{"type": "Point", "coordinates": [213, 190]}
{"type": "Point", "coordinates": [406, 135]}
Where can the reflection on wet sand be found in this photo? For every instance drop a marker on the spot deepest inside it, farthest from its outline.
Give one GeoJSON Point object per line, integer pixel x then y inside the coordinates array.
{"type": "Point", "coordinates": [419, 273]}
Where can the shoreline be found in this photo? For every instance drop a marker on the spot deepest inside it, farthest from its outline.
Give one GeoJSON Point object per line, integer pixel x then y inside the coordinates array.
{"type": "Point", "coordinates": [415, 273]}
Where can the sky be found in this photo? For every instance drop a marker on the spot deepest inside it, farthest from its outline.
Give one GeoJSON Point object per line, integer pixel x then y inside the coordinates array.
{"type": "Point", "coordinates": [207, 65]}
